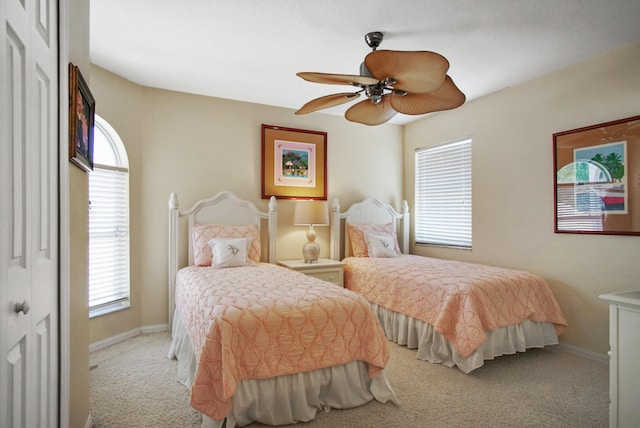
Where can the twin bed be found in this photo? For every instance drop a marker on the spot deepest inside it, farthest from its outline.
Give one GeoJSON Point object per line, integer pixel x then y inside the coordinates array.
{"type": "Point", "coordinates": [259, 342]}
{"type": "Point", "coordinates": [454, 313]}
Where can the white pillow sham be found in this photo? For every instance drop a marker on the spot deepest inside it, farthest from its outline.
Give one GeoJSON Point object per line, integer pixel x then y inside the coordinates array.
{"type": "Point", "coordinates": [380, 244]}
{"type": "Point", "coordinates": [229, 252]}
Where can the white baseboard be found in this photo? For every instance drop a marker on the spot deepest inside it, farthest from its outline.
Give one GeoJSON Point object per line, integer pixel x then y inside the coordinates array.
{"type": "Point", "coordinates": [158, 328]}
{"type": "Point", "coordinates": [585, 353]}
{"type": "Point", "coordinates": [89, 422]}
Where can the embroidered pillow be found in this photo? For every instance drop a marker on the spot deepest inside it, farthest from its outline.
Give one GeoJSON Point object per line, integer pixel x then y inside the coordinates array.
{"type": "Point", "coordinates": [229, 252]}
{"type": "Point", "coordinates": [203, 233]}
{"type": "Point", "coordinates": [356, 237]}
{"type": "Point", "coordinates": [380, 244]}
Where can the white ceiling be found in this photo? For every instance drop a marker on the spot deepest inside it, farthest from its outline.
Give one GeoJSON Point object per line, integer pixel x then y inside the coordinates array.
{"type": "Point", "coordinates": [251, 50]}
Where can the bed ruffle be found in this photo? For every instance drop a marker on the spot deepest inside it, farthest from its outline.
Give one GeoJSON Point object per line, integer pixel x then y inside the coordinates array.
{"type": "Point", "coordinates": [433, 347]}
{"type": "Point", "coordinates": [286, 399]}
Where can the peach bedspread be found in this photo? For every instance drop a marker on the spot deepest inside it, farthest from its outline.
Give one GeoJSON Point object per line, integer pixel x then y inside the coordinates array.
{"type": "Point", "coordinates": [262, 321]}
{"type": "Point", "coordinates": [460, 300]}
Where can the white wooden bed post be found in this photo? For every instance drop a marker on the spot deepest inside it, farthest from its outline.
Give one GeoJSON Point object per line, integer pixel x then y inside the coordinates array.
{"type": "Point", "coordinates": [335, 230]}
{"type": "Point", "coordinates": [173, 252]}
{"type": "Point", "coordinates": [406, 225]}
{"type": "Point", "coordinates": [273, 229]}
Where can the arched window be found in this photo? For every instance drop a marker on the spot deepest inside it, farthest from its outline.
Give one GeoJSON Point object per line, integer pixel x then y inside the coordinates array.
{"type": "Point", "coordinates": [108, 222]}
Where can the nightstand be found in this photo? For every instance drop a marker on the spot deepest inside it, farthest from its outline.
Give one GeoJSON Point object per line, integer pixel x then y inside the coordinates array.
{"type": "Point", "coordinates": [325, 269]}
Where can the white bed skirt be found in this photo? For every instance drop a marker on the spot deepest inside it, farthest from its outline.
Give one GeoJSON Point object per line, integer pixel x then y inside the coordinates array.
{"type": "Point", "coordinates": [286, 399]}
{"type": "Point", "coordinates": [433, 347]}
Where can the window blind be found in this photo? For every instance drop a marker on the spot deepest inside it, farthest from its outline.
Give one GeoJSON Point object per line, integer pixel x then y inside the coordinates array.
{"type": "Point", "coordinates": [108, 237]}
{"type": "Point", "coordinates": [443, 195]}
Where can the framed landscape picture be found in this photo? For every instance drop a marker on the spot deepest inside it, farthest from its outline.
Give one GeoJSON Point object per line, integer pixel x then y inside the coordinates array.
{"type": "Point", "coordinates": [597, 179]}
{"type": "Point", "coordinates": [294, 163]}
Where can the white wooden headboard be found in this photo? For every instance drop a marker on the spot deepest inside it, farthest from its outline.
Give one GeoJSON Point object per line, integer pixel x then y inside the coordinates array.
{"type": "Point", "coordinates": [369, 211]}
{"type": "Point", "coordinates": [224, 208]}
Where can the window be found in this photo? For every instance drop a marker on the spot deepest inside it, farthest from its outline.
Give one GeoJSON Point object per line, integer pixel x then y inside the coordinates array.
{"type": "Point", "coordinates": [108, 223]}
{"type": "Point", "coordinates": [443, 195]}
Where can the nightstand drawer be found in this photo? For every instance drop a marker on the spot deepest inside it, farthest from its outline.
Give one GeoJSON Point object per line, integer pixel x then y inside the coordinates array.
{"type": "Point", "coordinates": [334, 275]}
{"type": "Point", "coordinates": [324, 269]}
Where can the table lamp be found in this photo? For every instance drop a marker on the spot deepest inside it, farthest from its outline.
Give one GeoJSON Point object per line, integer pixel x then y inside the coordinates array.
{"type": "Point", "coordinates": [311, 213]}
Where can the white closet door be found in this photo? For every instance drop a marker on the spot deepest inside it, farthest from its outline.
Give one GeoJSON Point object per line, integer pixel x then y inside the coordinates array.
{"type": "Point", "coordinates": [29, 213]}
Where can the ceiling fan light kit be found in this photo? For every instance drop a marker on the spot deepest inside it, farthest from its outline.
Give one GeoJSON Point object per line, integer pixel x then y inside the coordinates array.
{"type": "Point", "coordinates": [394, 82]}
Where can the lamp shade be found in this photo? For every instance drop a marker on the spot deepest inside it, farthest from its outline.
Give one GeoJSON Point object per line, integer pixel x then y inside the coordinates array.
{"type": "Point", "coordinates": [311, 213]}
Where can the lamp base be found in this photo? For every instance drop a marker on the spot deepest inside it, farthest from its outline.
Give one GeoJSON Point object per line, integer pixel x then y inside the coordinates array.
{"type": "Point", "coordinates": [310, 251]}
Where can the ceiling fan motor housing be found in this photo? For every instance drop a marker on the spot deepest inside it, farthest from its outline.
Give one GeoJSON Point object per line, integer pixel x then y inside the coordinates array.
{"type": "Point", "coordinates": [364, 71]}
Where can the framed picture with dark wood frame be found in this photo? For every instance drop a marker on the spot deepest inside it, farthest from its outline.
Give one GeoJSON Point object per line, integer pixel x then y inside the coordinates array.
{"type": "Point", "coordinates": [82, 108]}
{"type": "Point", "coordinates": [294, 163]}
{"type": "Point", "coordinates": [597, 178]}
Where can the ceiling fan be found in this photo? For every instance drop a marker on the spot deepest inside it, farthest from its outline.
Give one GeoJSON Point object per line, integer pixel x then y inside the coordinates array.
{"type": "Point", "coordinates": [394, 82]}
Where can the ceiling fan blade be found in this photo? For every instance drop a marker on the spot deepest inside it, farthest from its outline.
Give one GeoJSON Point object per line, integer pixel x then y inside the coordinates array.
{"type": "Point", "coordinates": [416, 72]}
{"type": "Point", "coordinates": [446, 98]}
{"type": "Point", "coordinates": [327, 101]}
{"type": "Point", "coordinates": [368, 113]}
{"type": "Point", "coordinates": [337, 79]}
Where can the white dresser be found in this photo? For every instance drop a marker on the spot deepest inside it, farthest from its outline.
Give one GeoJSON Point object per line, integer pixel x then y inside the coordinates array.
{"type": "Point", "coordinates": [624, 365]}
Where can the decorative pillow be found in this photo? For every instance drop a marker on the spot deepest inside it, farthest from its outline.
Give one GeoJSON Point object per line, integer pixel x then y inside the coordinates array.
{"type": "Point", "coordinates": [229, 252]}
{"type": "Point", "coordinates": [356, 237]}
{"type": "Point", "coordinates": [203, 233]}
{"type": "Point", "coordinates": [380, 244]}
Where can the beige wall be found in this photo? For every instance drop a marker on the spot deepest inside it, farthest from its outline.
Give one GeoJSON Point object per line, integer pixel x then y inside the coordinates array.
{"type": "Point", "coordinates": [197, 146]}
{"type": "Point", "coordinates": [78, 295]}
{"type": "Point", "coordinates": [513, 204]}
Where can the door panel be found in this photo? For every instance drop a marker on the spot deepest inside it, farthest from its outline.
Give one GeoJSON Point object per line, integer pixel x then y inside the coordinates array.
{"type": "Point", "coordinates": [16, 385]}
{"type": "Point", "coordinates": [29, 213]}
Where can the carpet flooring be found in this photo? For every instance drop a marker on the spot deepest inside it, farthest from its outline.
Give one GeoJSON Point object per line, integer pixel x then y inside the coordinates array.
{"type": "Point", "coordinates": [133, 384]}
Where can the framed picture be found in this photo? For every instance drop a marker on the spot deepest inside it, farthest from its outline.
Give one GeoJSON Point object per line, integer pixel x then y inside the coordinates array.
{"type": "Point", "coordinates": [294, 163]}
{"type": "Point", "coordinates": [597, 179]}
{"type": "Point", "coordinates": [82, 108]}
